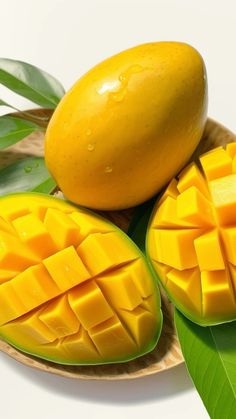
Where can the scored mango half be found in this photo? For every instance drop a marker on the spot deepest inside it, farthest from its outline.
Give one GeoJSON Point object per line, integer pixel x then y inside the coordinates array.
{"type": "Point", "coordinates": [74, 289]}
{"type": "Point", "coordinates": [191, 238]}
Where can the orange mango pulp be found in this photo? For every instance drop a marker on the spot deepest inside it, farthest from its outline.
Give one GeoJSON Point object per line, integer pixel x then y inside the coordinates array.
{"type": "Point", "coordinates": [73, 288]}
{"type": "Point", "coordinates": [191, 239]}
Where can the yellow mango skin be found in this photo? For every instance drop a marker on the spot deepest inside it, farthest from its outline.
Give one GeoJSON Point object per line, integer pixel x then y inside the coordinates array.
{"type": "Point", "coordinates": [128, 125]}
{"type": "Point", "coordinates": [74, 288]}
{"type": "Point", "coordinates": [191, 238]}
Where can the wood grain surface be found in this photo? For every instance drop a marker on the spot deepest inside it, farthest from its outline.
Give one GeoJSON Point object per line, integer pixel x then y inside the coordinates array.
{"type": "Point", "coordinates": [167, 353]}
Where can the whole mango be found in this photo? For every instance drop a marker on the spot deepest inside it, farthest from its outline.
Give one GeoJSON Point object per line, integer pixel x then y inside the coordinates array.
{"type": "Point", "coordinates": [74, 289]}
{"type": "Point", "coordinates": [128, 125]}
{"type": "Point", "coordinates": [191, 238]}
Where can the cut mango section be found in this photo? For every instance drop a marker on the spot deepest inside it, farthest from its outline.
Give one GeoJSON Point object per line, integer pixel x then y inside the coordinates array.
{"type": "Point", "coordinates": [198, 211]}
{"type": "Point", "coordinates": [33, 232]}
{"type": "Point", "coordinates": [191, 238]}
{"type": "Point", "coordinates": [167, 213]}
{"type": "Point", "coordinates": [59, 318]}
{"type": "Point", "coordinates": [73, 288]}
{"type": "Point", "coordinates": [170, 191]}
{"type": "Point", "coordinates": [209, 252]}
{"type": "Point", "coordinates": [191, 176]}
{"type": "Point", "coordinates": [223, 193]}
{"type": "Point", "coordinates": [216, 163]}
{"type": "Point", "coordinates": [169, 245]}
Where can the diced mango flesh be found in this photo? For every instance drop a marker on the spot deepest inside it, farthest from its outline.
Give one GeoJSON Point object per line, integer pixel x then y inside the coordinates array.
{"type": "Point", "coordinates": [198, 210]}
{"type": "Point", "coordinates": [209, 252]}
{"type": "Point", "coordinates": [191, 239]}
{"type": "Point", "coordinates": [191, 176]}
{"type": "Point", "coordinates": [216, 163]}
{"type": "Point", "coordinates": [166, 215]}
{"type": "Point", "coordinates": [171, 191]}
{"type": "Point", "coordinates": [217, 293]}
{"type": "Point", "coordinates": [66, 277]}
{"type": "Point", "coordinates": [89, 305]}
{"type": "Point", "coordinates": [186, 288]}
{"type": "Point", "coordinates": [97, 252]}
{"type": "Point", "coordinates": [223, 192]}
{"type": "Point", "coordinates": [33, 232]}
{"type": "Point", "coordinates": [170, 244]}
{"type": "Point", "coordinates": [231, 149]}
{"type": "Point", "coordinates": [60, 318]}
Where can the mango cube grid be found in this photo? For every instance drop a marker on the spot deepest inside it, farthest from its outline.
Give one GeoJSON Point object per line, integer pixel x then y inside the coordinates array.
{"type": "Point", "coordinates": [191, 238]}
{"type": "Point", "coordinates": [73, 288]}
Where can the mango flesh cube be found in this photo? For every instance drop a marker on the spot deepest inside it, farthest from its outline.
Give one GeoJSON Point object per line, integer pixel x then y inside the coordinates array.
{"type": "Point", "coordinates": [196, 262]}
{"type": "Point", "coordinates": [89, 224]}
{"type": "Point", "coordinates": [216, 163]}
{"type": "Point", "coordinates": [150, 303]}
{"type": "Point", "coordinates": [65, 273]}
{"type": "Point", "coordinates": [129, 297]}
{"type": "Point", "coordinates": [67, 231]}
{"type": "Point", "coordinates": [66, 267]}
{"type": "Point", "coordinates": [137, 270]}
{"type": "Point", "coordinates": [89, 305]}
{"type": "Point", "coordinates": [234, 164]}
{"type": "Point", "coordinates": [6, 226]}
{"type": "Point", "coordinates": [223, 192]}
{"type": "Point", "coordinates": [217, 294]}
{"type": "Point", "coordinates": [194, 208]}
{"type": "Point", "coordinates": [166, 215]}
{"type": "Point", "coordinates": [170, 191]}
{"type": "Point", "coordinates": [33, 233]}
{"type": "Point", "coordinates": [169, 245]}
{"type": "Point", "coordinates": [231, 149]}
{"type": "Point", "coordinates": [80, 347]}
{"type": "Point", "coordinates": [162, 270]}
{"type": "Point", "coordinates": [6, 275]}
{"type": "Point", "coordinates": [209, 252]}
{"type": "Point", "coordinates": [29, 327]}
{"type": "Point", "coordinates": [97, 252]}
{"type": "Point", "coordinates": [11, 210]}
{"type": "Point", "coordinates": [191, 176]}
{"type": "Point", "coordinates": [112, 330]}
{"type": "Point", "coordinates": [32, 287]}
{"type": "Point", "coordinates": [137, 322]}
{"type": "Point", "coordinates": [15, 255]}
{"type": "Point", "coordinates": [186, 287]}
{"type": "Point", "coordinates": [229, 241]}
{"type": "Point", "coordinates": [59, 318]}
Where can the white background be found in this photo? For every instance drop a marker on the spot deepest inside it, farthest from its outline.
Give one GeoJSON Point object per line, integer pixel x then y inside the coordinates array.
{"type": "Point", "coordinates": [67, 37]}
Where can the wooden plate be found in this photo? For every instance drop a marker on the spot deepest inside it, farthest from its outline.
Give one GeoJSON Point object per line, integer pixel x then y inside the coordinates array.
{"type": "Point", "coordinates": [167, 354]}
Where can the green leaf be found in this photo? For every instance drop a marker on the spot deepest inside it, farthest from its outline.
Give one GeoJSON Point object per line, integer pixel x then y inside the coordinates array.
{"type": "Point", "coordinates": [3, 103]}
{"type": "Point", "coordinates": [29, 174]}
{"type": "Point", "coordinates": [13, 130]}
{"type": "Point", "coordinates": [46, 187]}
{"type": "Point", "coordinates": [138, 226]}
{"type": "Point", "coordinates": [210, 356]}
{"type": "Point", "coordinates": [30, 82]}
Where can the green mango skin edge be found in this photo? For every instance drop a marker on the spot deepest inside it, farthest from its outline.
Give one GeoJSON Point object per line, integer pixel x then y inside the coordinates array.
{"type": "Point", "coordinates": [150, 346]}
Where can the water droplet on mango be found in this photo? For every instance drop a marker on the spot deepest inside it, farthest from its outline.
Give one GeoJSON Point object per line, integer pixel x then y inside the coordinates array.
{"type": "Point", "coordinates": [91, 147]}
{"type": "Point", "coordinates": [108, 169]}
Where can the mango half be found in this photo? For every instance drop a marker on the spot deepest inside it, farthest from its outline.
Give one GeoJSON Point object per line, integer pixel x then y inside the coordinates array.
{"type": "Point", "coordinates": [74, 289]}
{"type": "Point", "coordinates": [191, 239]}
{"type": "Point", "coordinates": [128, 125]}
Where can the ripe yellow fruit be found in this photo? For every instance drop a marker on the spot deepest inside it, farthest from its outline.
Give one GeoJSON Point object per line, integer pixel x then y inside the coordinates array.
{"type": "Point", "coordinates": [128, 125]}
{"type": "Point", "coordinates": [191, 238]}
{"type": "Point", "coordinates": [74, 289]}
